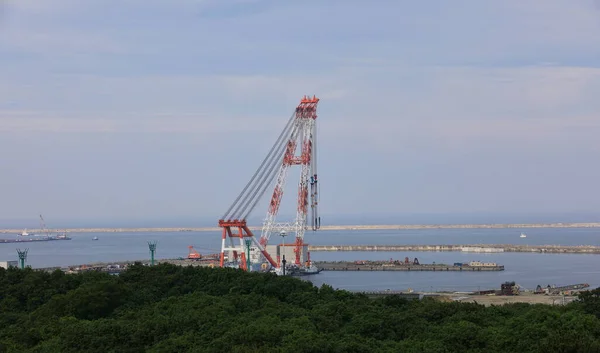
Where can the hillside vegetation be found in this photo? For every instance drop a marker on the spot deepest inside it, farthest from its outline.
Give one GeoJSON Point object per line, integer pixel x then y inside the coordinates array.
{"type": "Point", "coordinates": [168, 308]}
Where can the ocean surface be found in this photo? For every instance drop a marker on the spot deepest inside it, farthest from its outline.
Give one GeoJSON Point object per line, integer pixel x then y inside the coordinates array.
{"type": "Point", "coordinates": [527, 270]}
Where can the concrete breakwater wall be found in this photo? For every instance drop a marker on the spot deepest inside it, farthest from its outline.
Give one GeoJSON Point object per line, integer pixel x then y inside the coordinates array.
{"type": "Point", "coordinates": [476, 248]}
{"type": "Point", "coordinates": [329, 227]}
{"type": "Point", "coordinates": [377, 266]}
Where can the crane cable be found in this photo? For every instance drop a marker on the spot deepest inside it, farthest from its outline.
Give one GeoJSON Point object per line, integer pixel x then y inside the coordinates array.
{"type": "Point", "coordinates": [272, 160]}
{"type": "Point", "coordinates": [268, 158]}
{"type": "Point", "coordinates": [272, 173]}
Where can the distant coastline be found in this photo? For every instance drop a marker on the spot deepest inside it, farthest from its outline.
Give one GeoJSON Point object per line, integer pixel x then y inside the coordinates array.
{"type": "Point", "coordinates": [333, 227]}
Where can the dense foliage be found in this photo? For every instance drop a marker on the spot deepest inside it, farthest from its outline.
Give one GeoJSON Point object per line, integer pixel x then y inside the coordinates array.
{"type": "Point", "coordinates": [169, 308]}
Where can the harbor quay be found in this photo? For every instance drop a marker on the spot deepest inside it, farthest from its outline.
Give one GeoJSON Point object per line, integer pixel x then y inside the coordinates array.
{"type": "Point", "coordinates": [474, 266]}
{"type": "Point", "coordinates": [474, 248]}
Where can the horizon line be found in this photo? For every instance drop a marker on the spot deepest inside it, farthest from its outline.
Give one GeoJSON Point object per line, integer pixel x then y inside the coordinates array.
{"type": "Point", "coordinates": [329, 228]}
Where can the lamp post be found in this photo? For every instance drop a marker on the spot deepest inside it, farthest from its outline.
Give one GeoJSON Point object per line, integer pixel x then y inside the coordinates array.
{"type": "Point", "coordinates": [152, 247]}
{"type": "Point", "coordinates": [248, 242]}
{"type": "Point", "coordinates": [283, 234]}
{"type": "Point", "coordinates": [22, 256]}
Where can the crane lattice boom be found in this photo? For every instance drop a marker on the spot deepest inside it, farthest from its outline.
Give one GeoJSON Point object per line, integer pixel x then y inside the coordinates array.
{"type": "Point", "coordinates": [299, 133]}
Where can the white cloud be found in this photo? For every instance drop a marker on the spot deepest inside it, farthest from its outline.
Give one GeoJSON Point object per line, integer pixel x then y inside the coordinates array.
{"type": "Point", "coordinates": [515, 93]}
{"type": "Point", "coordinates": [459, 94]}
{"type": "Point", "coordinates": [9, 123]}
{"type": "Point", "coordinates": [91, 122]}
{"type": "Point", "coordinates": [453, 107]}
{"type": "Point", "coordinates": [462, 31]}
{"type": "Point", "coordinates": [378, 86]}
{"type": "Point", "coordinates": [61, 43]}
{"type": "Point", "coordinates": [44, 7]}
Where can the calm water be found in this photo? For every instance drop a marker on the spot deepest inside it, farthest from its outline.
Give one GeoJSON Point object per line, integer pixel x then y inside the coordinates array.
{"type": "Point", "coordinates": [528, 270]}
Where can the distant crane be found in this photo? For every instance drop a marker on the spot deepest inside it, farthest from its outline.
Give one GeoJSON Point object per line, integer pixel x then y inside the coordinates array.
{"type": "Point", "coordinates": [300, 131]}
{"type": "Point", "coordinates": [43, 226]}
{"type": "Point", "coordinates": [193, 254]}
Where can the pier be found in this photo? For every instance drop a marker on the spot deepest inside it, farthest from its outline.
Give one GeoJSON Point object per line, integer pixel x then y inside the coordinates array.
{"type": "Point", "coordinates": [470, 248]}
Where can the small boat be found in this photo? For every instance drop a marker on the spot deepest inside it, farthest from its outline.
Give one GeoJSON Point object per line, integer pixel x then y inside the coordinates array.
{"type": "Point", "coordinates": [293, 270]}
{"type": "Point", "coordinates": [523, 235]}
{"type": "Point", "coordinates": [95, 238]}
{"type": "Point", "coordinates": [24, 233]}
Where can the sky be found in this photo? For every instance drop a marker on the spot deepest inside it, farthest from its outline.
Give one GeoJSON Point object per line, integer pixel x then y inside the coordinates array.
{"type": "Point", "coordinates": [151, 112]}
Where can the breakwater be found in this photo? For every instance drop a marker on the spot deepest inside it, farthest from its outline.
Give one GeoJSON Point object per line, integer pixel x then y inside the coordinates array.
{"type": "Point", "coordinates": [334, 227]}
{"type": "Point", "coordinates": [399, 266]}
{"type": "Point", "coordinates": [31, 239]}
{"type": "Point", "coordinates": [475, 248]}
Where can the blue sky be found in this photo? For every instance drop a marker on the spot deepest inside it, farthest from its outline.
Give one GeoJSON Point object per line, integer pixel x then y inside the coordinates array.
{"type": "Point", "coordinates": [148, 110]}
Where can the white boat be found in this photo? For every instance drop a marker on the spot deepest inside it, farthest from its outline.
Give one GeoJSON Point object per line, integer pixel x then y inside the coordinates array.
{"type": "Point", "coordinates": [24, 233]}
{"type": "Point", "coordinates": [293, 270]}
{"type": "Point", "coordinates": [95, 238]}
{"type": "Point", "coordinates": [523, 235]}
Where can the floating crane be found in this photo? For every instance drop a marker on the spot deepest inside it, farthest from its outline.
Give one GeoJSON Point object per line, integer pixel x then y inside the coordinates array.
{"type": "Point", "coordinates": [43, 226]}
{"type": "Point", "coordinates": [193, 254]}
{"type": "Point", "coordinates": [300, 133]}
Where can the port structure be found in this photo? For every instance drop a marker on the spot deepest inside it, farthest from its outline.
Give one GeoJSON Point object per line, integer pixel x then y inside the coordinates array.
{"type": "Point", "coordinates": [295, 146]}
{"type": "Point", "coordinates": [22, 257]}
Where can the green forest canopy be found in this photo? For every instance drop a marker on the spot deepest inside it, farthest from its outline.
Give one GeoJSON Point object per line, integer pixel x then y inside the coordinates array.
{"type": "Point", "coordinates": [170, 308]}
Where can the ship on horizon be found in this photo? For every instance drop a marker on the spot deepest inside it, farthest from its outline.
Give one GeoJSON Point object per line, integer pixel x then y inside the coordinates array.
{"type": "Point", "coordinates": [45, 235]}
{"type": "Point", "coordinates": [34, 239]}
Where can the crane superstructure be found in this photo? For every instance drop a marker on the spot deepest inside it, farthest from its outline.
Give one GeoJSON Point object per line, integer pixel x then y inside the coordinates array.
{"type": "Point", "coordinates": [295, 146]}
{"type": "Point", "coordinates": [43, 227]}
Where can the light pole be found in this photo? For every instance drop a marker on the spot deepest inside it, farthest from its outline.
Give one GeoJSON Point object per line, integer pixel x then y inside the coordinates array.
{"type": "Point", "coordinates": [22, 256]}
{"type": "Point", "coordinates": [283, 234]}
{"type": "Point", "coordinates": [248, 242]}
{"type": "Point", "coordinates": [152, 247]}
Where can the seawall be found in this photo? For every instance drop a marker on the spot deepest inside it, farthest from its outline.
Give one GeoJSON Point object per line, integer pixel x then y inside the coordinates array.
{"type": "Point", "coordinates": [387, 266]}
{"type": "Point", "coordinates": [332, 227]}
{"type": "Point", "coordinates": [471, 248]}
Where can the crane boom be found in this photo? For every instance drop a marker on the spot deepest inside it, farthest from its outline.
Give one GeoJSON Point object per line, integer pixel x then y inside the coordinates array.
{"type": "Point", "coordinates": [43, 226]}
{"type": "Point", "coordinates": [299, 134]}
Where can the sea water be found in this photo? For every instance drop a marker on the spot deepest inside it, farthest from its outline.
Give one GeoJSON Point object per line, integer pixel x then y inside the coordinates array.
{"type": "Point", "coordinates": [526, 269]}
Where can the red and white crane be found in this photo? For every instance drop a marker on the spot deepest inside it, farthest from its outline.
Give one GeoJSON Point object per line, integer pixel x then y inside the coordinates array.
{"type": "Point", "coordinates": [296, 146]}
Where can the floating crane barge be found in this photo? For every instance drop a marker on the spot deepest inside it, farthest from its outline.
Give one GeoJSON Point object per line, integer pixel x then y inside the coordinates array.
{"type": "Point", "coordinates": [28, 238]}
{"type": "Point", "coordinates": [295, 146]}
{"type": "Point", "coordinates": [34, 239]}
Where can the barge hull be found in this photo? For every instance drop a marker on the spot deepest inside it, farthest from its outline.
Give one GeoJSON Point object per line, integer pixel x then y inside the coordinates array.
{"type": "Point", "coordinates": [6, 241]}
